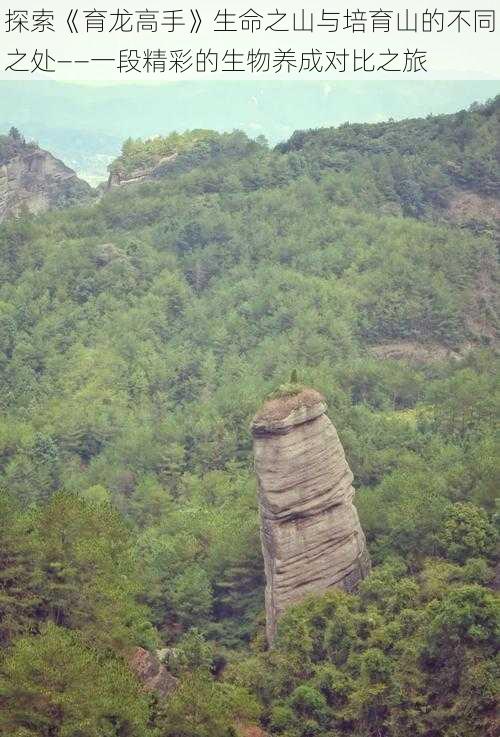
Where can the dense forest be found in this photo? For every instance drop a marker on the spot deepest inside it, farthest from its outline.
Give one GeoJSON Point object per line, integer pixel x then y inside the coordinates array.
{"type": "Point", "coordinates": [138, 336]}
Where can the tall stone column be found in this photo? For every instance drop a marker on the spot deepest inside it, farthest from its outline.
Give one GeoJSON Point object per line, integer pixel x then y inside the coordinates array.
{"type": "Point", "coordinates": [311, 536]}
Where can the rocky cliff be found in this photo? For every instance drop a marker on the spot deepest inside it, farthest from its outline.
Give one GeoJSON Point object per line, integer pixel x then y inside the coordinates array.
{"type": "Point", "coordinates": [311, 535]}
{"type": "Point", "coordinates": [33, 179]}
{"type": "Point", "coordinates": [119, 178]}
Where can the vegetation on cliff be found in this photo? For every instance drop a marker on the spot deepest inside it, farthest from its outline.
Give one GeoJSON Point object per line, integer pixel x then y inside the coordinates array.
{"type": "Point", "coordinates": [13, 144]}
{"type": "Point", "coordinates": [441, 166]}
{"type": "Point", "coordinates": [137, 338]}
{"type": "Point", "coordinates": [418, 163]}
{"type": "Point", "coordinates": [187, 150]}
{"type": "Point", "coordinates": [32, 180]}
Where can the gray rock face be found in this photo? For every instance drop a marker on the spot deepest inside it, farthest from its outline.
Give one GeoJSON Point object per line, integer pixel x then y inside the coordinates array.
{"type": "Point", "coordinates": [33, 179]}
{"type": "Point", "coordinates": [161, 168]}
{"type": "Point", "coordinates": [311, 536]}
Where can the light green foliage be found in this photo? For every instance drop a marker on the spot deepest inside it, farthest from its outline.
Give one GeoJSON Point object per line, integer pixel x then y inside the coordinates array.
{"type": "Point", "coordinates": [139, 335]}
{"type": "Point", "coordinates": [191, 596]}
{"type": "Point", "coordinates": [467, 615]}
{"type": "Point", "coordinates": [467, 532]}
{"type": "Point", "coordinates": [53, 685]}
{"type": "Point", "coordinates": [181, 150]}
{"type": "Point", "coordinates": [71, 563]}
{"type": "Point", "coordinates": [401, 648]}
{"type": "Point", "coordinates": [202, 707]}
{"type": "Point", "coordinates": [288, 389]}
{"type": "Point", "coordinates": [193, 652]}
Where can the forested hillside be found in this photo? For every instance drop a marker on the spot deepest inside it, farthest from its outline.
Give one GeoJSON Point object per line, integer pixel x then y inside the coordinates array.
{"type": "Point", "coordinates": [441, 167]}
{"type": "Point", "coordinates": [137, 338]}
{"type": "Point", "coordinates": [418, 165]}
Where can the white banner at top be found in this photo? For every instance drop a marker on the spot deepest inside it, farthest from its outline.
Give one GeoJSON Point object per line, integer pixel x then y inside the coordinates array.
{"type": "Point", "coordinates": [77, 40]}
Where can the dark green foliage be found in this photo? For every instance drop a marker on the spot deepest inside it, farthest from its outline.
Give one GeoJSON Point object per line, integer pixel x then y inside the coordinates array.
{"type": "Point", "coordinates": [181, 152]}
{"type": "Point", "coordinates": [19, 572]}
{"type": "Point", "coordinates": [418, 161]}
{"type": "Point", "coordinates": [15, 134]}
{"type": "Point", "coordinates": [138, 337]}
{"type": "Point", "coordinates": [53, 685]}
{"type": "Point", "coordinates": [70, 562]}
{"type": "Point", "coordinates": [383, 662]}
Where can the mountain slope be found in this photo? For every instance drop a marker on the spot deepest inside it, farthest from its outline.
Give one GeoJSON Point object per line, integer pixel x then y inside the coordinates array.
{"type": "Point", "coordinates": [422, 164]}
{"type": "Point", "coordinates": [443, 167]}
{"type": "Point", "coordinates": [85, 124]}
{"type": "Point", "coordinates": [138, 335]}
{"type": "Point", "coordinates": [32, 179]}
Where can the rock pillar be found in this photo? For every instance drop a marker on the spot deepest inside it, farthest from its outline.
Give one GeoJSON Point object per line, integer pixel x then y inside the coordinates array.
{"type": "Point", "coordinates": [311, 536]}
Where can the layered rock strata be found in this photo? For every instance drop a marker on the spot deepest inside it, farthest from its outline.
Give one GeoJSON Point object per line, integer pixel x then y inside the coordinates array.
{"type": "Point", "coordinates": [311, 536]}
{"type": "Point", "coordinates": [33, 179]}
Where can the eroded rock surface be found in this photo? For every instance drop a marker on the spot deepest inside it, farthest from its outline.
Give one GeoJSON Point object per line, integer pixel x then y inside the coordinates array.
{"type": "Point", "coordinates": [118, 178]}
{"type": "Point", "coordinates": [151, 672]}
{"type": "Point", "coordinates": [311, 536]}
{"type": "Point", "coordinates": [33, 179]}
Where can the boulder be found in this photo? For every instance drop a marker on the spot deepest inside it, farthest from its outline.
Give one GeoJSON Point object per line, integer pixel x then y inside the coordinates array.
{"type": "Point", "coordinates": [151, 672]}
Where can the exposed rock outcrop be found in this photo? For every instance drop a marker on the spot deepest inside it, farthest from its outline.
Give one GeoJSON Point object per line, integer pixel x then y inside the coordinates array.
{"type": "Point", "coordinates": [417, 353]}
{"type": "Point", "coordinates": [33, 179]}
{"type": "Point", "coordinates": [311, 536]}
{"type": "Point", "coordinates": [250, 730]}
{"type": "Point", "coordinates": [118, 178]}
{"type": "Point", "coordinates": [151, 672]}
